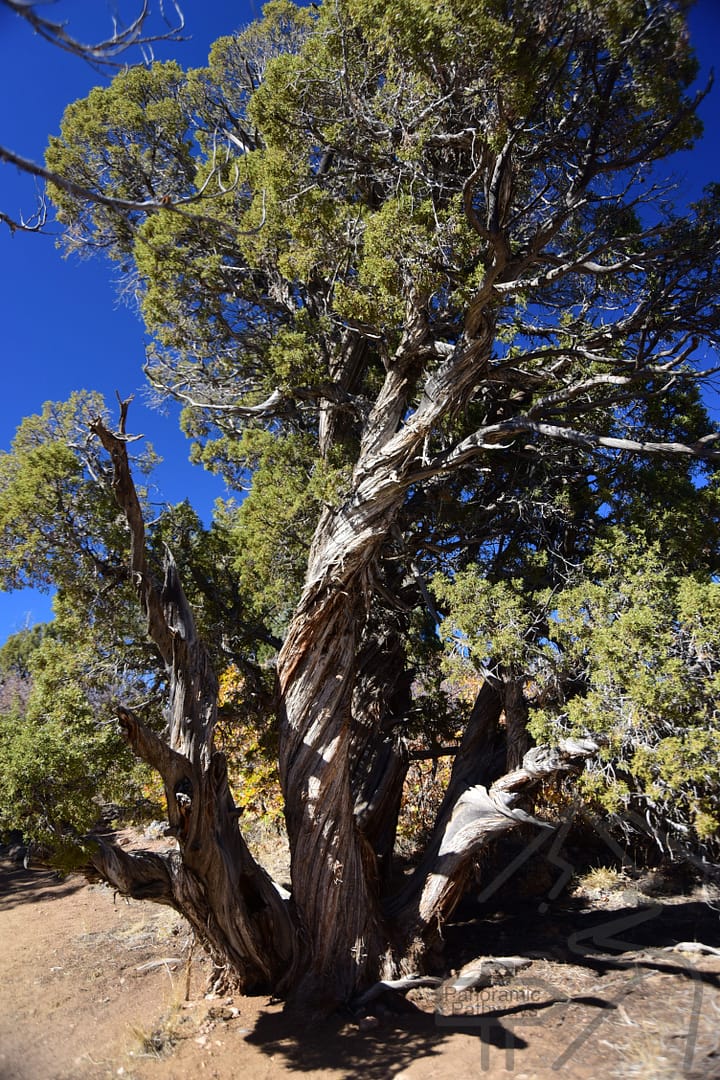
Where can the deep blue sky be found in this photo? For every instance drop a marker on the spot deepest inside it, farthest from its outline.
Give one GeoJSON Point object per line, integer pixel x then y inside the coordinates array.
{"type": "Point", "coordinates": [61, 327]}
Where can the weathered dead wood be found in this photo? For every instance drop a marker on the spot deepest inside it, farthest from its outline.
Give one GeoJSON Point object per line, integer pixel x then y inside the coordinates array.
{"type": "Point", "coordinates": [693, 947]}
{"type": "Point", "coordinates": [227, 935]}
{"type": "Point", "coordinates": [231, 902]}
{"type": "Point", "coordinates": [479, 759]}
{"type": "Point", "coordinates": [485, 970]}
{"type": "Point", "coordinates": [408, 982]}
{"type": "Point", "coordinates": [142, 875]}
{"type": "Point", "coordinates": [153, 750]}
{"type": "Point", "coordinates": [127, 499]}
{"type": "Point", "coordinates": [482, 814]}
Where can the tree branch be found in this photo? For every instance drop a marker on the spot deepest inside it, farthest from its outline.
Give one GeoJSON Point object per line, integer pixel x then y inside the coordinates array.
{"type": "Point", "coordinates": [152, 749]}
{"type": "Point", "coordinates": [501, 435]}
{"type": "Point", "coordinates": [127, 499]}
{"type": "Point", "coordinates": [35, 224]}
{"type": "Point", "coordinates": [101, 54]}
{"type": "Point", "coordinates": [143, 875]}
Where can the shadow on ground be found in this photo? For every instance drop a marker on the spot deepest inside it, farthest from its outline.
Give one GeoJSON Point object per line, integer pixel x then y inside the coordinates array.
{"type": "Point", "coordinates": [333, 1045]}
{"type": "Point", "coordinates": [636, 939]}
{"type": "Point", "coordinates": [598, 939]}
{"type": "Point", "coordinates": [327, 1044]}
{"type": "Point", "coordinates": [21, 886]}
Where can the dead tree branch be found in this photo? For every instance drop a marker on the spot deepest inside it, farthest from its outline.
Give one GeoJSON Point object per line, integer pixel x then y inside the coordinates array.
{"type": "Point", "coordinates": [105, 54]}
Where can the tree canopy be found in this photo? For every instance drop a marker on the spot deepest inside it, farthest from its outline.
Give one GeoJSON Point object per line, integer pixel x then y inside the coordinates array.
{"type": "Point", "coordinates": [417, 275]}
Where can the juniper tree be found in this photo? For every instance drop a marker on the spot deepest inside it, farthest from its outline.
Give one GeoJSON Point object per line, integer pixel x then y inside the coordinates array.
{"type": "Point", "coordinates": [429, 253]}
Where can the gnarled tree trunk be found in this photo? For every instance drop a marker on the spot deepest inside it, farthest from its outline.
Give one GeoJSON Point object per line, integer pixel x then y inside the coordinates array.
{"type": "Point", "coordinates": [237, 911]}
{"type": "Point", "coordinates": [342, 770]}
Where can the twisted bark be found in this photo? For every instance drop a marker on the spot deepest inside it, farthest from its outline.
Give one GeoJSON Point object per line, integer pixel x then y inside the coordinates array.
{"type": "Point", "coordinates": [237, 910]}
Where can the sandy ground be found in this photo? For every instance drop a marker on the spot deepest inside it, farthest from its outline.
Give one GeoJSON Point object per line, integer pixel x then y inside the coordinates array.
{"type": "Point", "coordinates": [92, 986]}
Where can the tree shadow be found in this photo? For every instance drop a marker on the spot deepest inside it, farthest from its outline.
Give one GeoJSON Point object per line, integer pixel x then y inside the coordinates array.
{"type": "Point", "coordinates": [334, 1045]}
{"type": "Point", "coordinates": [603, 940]}
{"type": "Point", "coordinates": [31, 886]}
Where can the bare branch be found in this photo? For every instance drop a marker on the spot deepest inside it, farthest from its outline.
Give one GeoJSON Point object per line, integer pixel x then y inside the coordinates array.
{"type": "Point", "coordinates": [501, 436]}
{"type": "Point", "coordinates": [127, 499]}
{"type": "Point", "coordinates": [35, 223]}
{"type": "Point", "coordinates": [143, 875]}
{"type": "Point", "coordinates": [103, 55]}
{"type": "Point", "coordinates": [153, 749]}
{"type": "Point", "coordinates": [143, 206]}
{"type": "Point", "coordinates": [263, 410]}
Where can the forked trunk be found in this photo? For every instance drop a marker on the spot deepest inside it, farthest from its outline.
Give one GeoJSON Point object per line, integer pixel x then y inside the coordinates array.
{"type": "Point", "coordinates": [342, 770]}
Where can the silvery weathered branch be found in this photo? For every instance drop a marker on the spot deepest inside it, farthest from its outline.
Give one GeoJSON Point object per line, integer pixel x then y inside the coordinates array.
{"type": "Point", "coordinates": [105, 54]}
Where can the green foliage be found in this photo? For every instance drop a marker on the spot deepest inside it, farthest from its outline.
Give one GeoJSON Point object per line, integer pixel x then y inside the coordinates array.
{"type": "Point", "coordinates": [59, 522]}
{"type": "Point", "coordinates": [329, 197]}
{"type": "Point", "coordinates": [643, 640]}
{"type": "Point", "coordinates": [271, 529]}
{"type": "Point", "coordinates": [328, 149]}
{"type": "Point", "coordinates": [60, 684]}
{"type": "Point", "coordinates": [490, 624]}
{"type": "Point", "coordinates": [132, 135]}
{"type": "Point", "coordinates": [17, 651]}
{"type": "Point", "coordinates": [205, 559]}
{"type": "Point", "coordinates": [44, 508]}
{"type": "Point", "coordinates": [626, 651]}
{"type": "Point", "coordinates": [61, 756]}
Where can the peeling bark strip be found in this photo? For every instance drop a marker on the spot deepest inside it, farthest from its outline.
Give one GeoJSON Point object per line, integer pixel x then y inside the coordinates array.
{"type": "Point", "coordinates": [482, 814]}
{"type": "Point", "coordinates": [232, 903]}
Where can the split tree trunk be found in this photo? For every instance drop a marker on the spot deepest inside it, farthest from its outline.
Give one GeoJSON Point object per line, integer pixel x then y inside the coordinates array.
{"type": "Point", "coordinates": [341, 768]}
{"type": "Point", "coordinates": [356, 933]}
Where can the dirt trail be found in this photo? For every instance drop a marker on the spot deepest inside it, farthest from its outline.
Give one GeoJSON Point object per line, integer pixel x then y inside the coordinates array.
{"type": "Point", "coordinates": [94, 987]}
{"type": "Point", "coordinates": [70, 993]}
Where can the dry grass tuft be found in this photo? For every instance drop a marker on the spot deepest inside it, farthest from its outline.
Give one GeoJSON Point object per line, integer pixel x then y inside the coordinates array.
{"type": "Point", "coordinates": [603, 879]}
